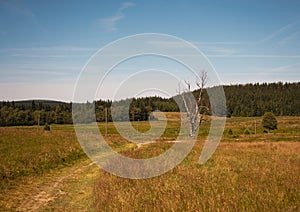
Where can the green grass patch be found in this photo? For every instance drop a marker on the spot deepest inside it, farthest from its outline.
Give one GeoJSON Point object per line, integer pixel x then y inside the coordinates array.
{"type": "Point", "coordinates": [28, 150]}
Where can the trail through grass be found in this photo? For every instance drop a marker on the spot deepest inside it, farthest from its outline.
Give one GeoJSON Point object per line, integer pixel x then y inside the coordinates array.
{"type": "Point", "coordinates": [65, 189]}
{"type": "Point", "coordinates": [48, 171]}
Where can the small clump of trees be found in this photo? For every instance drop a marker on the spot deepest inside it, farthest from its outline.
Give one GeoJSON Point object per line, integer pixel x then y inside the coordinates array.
{"type": "Point", "coordinates": [269, 121]}
{"type": "Point", "coordinates": [47, 127]}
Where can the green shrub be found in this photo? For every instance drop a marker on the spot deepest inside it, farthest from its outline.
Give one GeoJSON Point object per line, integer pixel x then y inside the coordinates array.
{"type": "Point", "coordinates": [269, 121]}
{"type": "Point", "coordinates": [47, 127]}
{"type": "Point", "coordinates": [247, 131]}
{"type": "Point", "coordinates": [230, 132]}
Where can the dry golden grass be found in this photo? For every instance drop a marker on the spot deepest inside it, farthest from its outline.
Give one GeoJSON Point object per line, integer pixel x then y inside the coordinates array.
{"type": "Point", "coordinates": [245, 173]}
{"type": "Point", "coordinates": [256, 172]}
{"type": "Point", "coordinates": [240, 176]}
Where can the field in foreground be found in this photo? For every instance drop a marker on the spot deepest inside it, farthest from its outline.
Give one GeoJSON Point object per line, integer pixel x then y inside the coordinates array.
{"type": "Point", "coordinates": [240, 176]}
{"type": "Point", "coordinates": [248, 171]}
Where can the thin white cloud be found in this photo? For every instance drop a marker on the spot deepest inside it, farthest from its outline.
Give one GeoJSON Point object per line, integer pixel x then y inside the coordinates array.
{"type": "Point", "coordinates": [168, 44]}
{"type": "Point", "coordinates": [211, 49]}
{"type": "Point", "coordinates": [267, 38]}
{"type": "Point", "coordinates": [254, 56]}
{"type": "Point", "coordinates": [219, 50]}
{"type": "Point", "coordinates": [38, 56]}
{"type": "Point", "coordinates": [276, 33]}
{"type": "Point", "coordinates": [280, 73]}
{"type": "Point", "coordinates": [51, 48]}
{"type": "Point", "coordinates": [224, 43]}
{"type": "Point", "coordinates": [126, 5]}
{"type": "Point", "coordinates": [47, 68]}
{"type": "Point", "coordinates": [42, 72]}
{"type": "Point", "coordinates": [49, 52]}
{"type": "Point", "coordinates": [110, 23]}
{"type": "Point", "coordinates": [287, 68]}
{"type": "Point", "coordinates": [289, 38]}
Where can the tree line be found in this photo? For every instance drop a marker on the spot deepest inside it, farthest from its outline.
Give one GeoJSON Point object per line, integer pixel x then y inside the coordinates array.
{"type": "Point", "coordinates": [241, 100]}
{"type": "Point", "coordinates": [42, 112]}
{"type": "Point", "coordinates": [24, 113]}
{"type": "Point", "coordinates": [283, 99]}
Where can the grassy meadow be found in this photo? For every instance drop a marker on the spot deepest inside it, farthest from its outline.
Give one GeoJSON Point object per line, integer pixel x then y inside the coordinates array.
{"type": "Point", "coordinates": [30, 150]}
{"type": "Point", "coordinates": [239, 176]}
{"type": "Point", "coordinates": [250, 170]}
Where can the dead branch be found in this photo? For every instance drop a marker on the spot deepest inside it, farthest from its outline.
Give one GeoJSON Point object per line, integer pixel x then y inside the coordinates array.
{"type": "Point", "coordinates": [194, 108]}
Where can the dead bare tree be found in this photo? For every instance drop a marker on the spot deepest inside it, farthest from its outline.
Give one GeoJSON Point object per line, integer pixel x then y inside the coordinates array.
{"type": "Point", "coordinates": [195, 109]}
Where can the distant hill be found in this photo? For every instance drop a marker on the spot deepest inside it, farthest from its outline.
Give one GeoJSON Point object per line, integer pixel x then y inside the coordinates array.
{"type": "Point", "coordinates": [28, 103]}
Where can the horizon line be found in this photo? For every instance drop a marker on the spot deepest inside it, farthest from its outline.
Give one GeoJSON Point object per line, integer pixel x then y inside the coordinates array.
{"type": "Point", "coordinates": [64, 101]}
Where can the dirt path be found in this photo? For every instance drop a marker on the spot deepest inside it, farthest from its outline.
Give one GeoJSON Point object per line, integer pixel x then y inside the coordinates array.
{"type": "Point", "coordinates": [66, 189]}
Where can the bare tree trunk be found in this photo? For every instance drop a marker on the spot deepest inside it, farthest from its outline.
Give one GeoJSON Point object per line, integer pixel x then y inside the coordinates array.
{"type": "Point", "coordinates": [193, 107]}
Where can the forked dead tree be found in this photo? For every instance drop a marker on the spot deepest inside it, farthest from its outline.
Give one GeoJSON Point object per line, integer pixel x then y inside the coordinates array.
{"type": "Point", "coordinates": [195, 108]}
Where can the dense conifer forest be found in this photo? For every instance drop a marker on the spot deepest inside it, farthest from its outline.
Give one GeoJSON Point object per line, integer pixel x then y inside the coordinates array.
{"type": "Point", "coordinates": [283, 99]}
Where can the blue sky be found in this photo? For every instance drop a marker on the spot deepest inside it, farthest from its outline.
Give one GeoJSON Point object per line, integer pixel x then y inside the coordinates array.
{"type": "Point", "coordinates": [45, 44]}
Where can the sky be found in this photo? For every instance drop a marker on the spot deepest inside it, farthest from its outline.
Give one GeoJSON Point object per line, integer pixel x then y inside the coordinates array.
{"type": "Point", "coordinates": [44, 45]}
